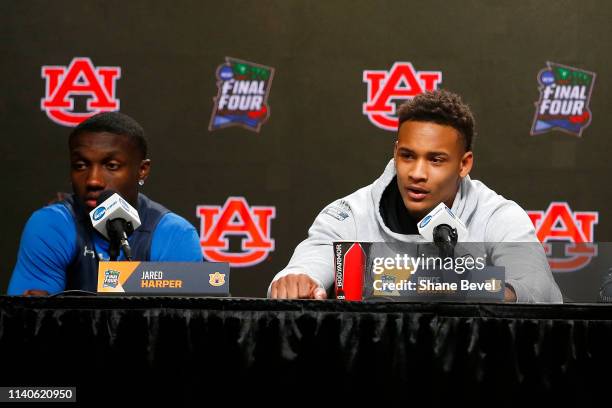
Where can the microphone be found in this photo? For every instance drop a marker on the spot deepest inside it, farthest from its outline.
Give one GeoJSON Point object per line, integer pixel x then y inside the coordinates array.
{"type": "Point", "coordinates": [115, 219]}
{"type": "Point", "coordinates": [443, 228]}
{"type": "Point", "coordinates": [445, 238]}
{"type": "Point", "coordinates": [605, 291]}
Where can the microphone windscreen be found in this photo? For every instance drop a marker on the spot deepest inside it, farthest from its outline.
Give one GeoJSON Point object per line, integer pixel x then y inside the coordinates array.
{"type": "Point", "coordinates": [105, 195]}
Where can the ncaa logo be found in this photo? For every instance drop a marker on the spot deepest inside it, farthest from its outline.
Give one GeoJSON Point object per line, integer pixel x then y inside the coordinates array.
{"type": "Point", "coordinates": [576, 228]}
{"type": "Point", "coordinates": [236, 219]}
{"type": "Point", "coordinates": [425, 221]}
{"type": "Point", "coordinates": [99, 213]}
{"type": "Point", "coordinates": [400, 83]}
{"type": "Point", "coordinates": [80, 78]}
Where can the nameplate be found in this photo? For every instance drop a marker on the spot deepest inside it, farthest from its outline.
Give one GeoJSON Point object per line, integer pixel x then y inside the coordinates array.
{"type": "Point", "coordinates": [415, 271]}
{"type": "Point", "coordinates": [164, 278]}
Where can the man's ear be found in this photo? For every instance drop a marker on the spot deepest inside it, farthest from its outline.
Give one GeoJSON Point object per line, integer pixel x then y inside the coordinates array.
{"type": "Point", "coordinates": [144, 169]}
{"type": "Point", "coordinates": [466, 164]}
{"type": "Point", "coordinates": [395, 150]}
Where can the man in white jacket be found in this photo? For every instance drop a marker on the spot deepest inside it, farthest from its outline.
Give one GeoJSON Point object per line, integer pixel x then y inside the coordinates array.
{"type": "Point", "coordinates": [431, 163]}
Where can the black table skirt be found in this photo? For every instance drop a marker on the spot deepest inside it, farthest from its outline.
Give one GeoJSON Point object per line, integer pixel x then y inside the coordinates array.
{"type": "Point", "coordinates": [194, 350]}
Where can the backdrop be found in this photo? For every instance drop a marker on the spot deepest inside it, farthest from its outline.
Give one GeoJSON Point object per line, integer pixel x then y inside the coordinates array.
{"type": "Point", "coordinates": [266, 111]}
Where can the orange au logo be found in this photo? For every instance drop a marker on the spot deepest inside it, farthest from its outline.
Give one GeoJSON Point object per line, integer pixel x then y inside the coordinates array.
{"type": "Point", "coordinates": [249, 226]}
{"type": "Point", "coordinates": [80, 78]}
{"type": "Point", "coordinates": [576, 228]}
{"type": "Point", "coordinates": [385, 88]}
{"type": "Point", "coordinates": [216, 279]}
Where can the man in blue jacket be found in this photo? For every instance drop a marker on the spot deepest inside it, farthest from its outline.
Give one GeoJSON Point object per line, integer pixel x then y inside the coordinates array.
{"type": "Point", "coordinates": [60, 250]}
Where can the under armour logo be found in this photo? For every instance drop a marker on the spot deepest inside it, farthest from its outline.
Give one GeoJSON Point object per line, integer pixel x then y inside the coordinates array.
{"type": "Point", "coordinates": [89, 252]}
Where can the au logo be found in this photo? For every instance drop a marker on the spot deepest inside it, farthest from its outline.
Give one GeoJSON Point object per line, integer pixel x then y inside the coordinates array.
{"type": "Point", "coordinates": [216, 279]}
{"type": "Point", "coordinates": [385, 88]}
{"type": "Point", "coordinates": [80, 78]}
{"type": "Point", "coordinates": [236, 219]}
{"type": "Point", "coordinates": [574, 229]}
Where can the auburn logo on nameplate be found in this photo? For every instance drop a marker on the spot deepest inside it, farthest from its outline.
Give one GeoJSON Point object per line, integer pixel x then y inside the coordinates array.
{"type": "Point", "coordinates": [236, 232]}
{"type": "Point", "coordinates": [387, 89]}
{"type": "Point", "coordinates": [80, 79]}
{"type": "Point", "coordinates": [574, 229]}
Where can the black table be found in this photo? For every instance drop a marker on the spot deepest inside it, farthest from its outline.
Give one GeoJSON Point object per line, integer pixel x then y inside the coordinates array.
{"type": "Point", "coordinates": [193, 350]}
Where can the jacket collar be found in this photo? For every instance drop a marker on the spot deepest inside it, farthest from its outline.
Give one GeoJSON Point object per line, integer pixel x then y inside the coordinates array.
{"type": "Point", "coordinates": [462, 207]}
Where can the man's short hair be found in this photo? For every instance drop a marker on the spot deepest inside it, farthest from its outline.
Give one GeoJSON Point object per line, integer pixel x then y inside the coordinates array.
{"type": "Point", "coordinates": [442, 107]}
{"type": "Point", "coordinates": [116, 123]}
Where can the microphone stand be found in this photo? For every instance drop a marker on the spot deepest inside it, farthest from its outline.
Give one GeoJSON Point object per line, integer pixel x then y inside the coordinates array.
{"type": "Point", "coordinates": [119, 230]}
{"type": "Point", "coordinates": [445, 238]}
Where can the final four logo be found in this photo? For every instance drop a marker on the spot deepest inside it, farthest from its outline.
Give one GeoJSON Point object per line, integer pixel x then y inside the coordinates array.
{"type": "Point", "coordinates": [80, 78]}
{"type": "Point", "coordinates": [387, 88]}
{"type": "Point", "coordinates": [565, 93]}
{"type": "Point", "coordinates": [247, 226]}
{"type": "Point", "coordinates": [242, 98]}
{"type": "Point", "coordinates": [111, 278]}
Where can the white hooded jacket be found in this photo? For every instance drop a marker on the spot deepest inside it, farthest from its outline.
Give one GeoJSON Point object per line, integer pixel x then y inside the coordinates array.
{"type": "Point", "coordinates": [488, 216]}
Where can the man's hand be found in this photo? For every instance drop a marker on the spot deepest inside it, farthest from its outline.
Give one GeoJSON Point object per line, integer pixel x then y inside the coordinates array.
{"type": "Point", "coordinates": [509, 294]}
{"type": "Point", "coordinates": [297, 286]}
{"type": "Point", "coordinates": [35, 292]}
